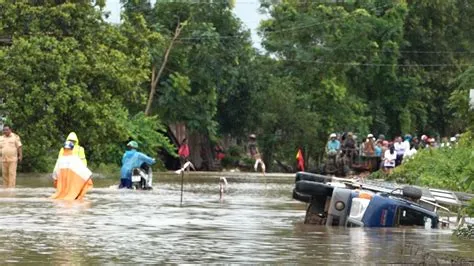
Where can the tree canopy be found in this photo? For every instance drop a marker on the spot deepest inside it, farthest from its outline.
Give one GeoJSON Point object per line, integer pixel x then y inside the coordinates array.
{"type": "Point", "coordinates": [68, 70]}
{"type": "Point", "coordinates": [381, 67]}
{"type": "Point", "coordinates": [367, 66]}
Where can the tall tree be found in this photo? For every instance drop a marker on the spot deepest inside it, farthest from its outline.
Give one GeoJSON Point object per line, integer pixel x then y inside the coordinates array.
{"type": "Point", "coordinates": [205, 67]}
{"type": "Point", "coordinates": [67, 70]}
{"type": "Point", "coordinates": [437, 39]}
{"type": "Point", "coordinates": [394, 60]}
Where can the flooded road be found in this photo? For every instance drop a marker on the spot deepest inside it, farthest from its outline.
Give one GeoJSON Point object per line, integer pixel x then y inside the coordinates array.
{"type": "Point", "coordinates": [256, 222]}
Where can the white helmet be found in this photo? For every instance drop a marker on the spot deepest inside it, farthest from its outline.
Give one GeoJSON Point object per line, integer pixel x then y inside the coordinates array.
{"type": "Point", "coordinates": [333, 135]}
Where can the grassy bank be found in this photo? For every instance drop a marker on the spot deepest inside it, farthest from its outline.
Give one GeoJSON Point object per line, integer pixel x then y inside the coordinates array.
{"type": "Point", "coordinates": [449, 168]}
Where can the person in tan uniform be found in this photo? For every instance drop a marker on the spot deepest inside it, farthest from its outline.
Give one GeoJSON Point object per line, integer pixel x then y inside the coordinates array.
{"type": "Point", "coordinates": [11, 153]}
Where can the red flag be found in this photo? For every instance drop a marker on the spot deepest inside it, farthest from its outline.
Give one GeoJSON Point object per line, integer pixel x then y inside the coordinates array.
{"type": "Point", "coordinates": [299, 157]}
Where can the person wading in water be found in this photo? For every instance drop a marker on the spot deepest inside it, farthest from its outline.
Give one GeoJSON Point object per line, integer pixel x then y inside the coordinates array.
{"type": "Point", "coordinates": [255, 154]}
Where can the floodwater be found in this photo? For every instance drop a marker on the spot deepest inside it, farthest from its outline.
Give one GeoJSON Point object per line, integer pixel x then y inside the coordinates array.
{"type": "Point", "coordinates": [255, 222]}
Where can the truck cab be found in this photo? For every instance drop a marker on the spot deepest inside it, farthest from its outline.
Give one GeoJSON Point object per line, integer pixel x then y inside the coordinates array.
{"type": "Point", "coordinates": [381, 210]}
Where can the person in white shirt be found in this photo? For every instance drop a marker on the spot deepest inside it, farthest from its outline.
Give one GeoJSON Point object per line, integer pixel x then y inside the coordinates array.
{"type": "Point", "coordinates": [409, 154]}
{"type": "Point", "coordinates": [406, 142]}
{"type": "Point", "coordinates": [390, 157]}
{"type": "Point", "coordinates": [400, 149]}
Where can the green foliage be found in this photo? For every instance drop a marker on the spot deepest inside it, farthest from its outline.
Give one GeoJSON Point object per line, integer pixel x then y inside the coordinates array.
{"type": "Point", "coordinates": [148, 132]}
{"type": "Point", "coordinates": [470, 208]}
{"type": "Point", "coordinates": [326, 70]}
{"type": "Point", "coordinates": [67, 70]}
{"type": "Point", "coordinates": [405, 121]}
{"type": "Point", "coordinates": [465, 232]}
{"type": "Point", "coordinates": [445, 168]}
{"type": "Point", "coordinates": [378, 66]}
{"type": "Point", "coordinates": [134, 8]}
{"type": "Point", "coordinates": [232, 157]}
{"type": "Point", "coordinates": [204, 71]}
{"type": "Point", "coordinates": [459, 100]}
{"type": "Point", "coordinates": [438, 26]}
{"type": "Point", "coordinates": [368, 66]}
{"type": "Point", "coordinates": [235, 151]}
{"type": "Point", "coordinates": [107, 170]}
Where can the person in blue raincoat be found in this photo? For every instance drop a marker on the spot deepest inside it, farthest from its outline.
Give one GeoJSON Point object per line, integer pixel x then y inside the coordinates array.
{"type": "Point", "coordinates": [132, 159]}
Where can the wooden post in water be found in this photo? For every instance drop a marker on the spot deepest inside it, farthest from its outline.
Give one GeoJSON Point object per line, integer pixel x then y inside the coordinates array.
{"type": "Point", "coordinates": [182, 181]}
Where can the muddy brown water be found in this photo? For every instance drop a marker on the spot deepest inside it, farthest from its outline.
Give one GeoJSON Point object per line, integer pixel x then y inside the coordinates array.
{"type": "Point", "coordinates": [257, 221]}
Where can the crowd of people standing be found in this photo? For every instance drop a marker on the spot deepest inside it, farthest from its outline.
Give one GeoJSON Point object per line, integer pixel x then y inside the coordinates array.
{"type": "Point", "coordinates": [387, 153]}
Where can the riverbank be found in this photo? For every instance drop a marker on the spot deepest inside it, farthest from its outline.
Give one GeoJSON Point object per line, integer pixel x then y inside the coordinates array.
{"type": "Point", "coordinates": [197, 174]}
{"type": "Point", "coordinates": [108, 178]}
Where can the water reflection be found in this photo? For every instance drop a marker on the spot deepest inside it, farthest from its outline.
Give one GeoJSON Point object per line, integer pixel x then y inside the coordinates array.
{"type": "Point", "coordinates": [255, 222]}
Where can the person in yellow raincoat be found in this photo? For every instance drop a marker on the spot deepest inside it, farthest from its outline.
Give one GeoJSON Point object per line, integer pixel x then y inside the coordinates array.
{"type": "Point", "coordinates": [72, 178]}
{"type": "Point", "coordinates": [78, 150]}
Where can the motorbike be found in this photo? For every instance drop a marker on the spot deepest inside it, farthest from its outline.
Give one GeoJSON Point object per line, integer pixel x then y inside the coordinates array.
{"type": "Point", "coordinates": [142, 177]}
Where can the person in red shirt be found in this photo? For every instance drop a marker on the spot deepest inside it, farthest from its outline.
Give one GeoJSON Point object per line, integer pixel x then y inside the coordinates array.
{"type": "Point", "coordinates": [183, 152]}
{"type": "Point", "coordinates": [219, 152]}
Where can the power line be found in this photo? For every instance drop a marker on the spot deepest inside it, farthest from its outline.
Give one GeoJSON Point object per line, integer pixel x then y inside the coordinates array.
{"type": "Point", "coordinates": [183, 40]}
{"type": "Point", "coordinates": [335, 48]}
{"type": "Point", "coordinates": [372, 64]}
{"type": "Point", "coordinates": [200, 2]}
{"type": "Point", "coordinates": [303, 26]}
{"type": "Point", "coordinates": [400, 51]}
{"type": "Point", "coordinates": [368, 64]}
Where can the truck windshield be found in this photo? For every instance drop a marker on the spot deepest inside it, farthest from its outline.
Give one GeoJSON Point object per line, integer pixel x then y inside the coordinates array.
{"type": "Point", "coordinates": [411, 217]}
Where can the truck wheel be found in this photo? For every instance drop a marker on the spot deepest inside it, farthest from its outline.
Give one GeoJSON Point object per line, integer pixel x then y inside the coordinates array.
{"type": "Point", "coordinates": [312, 177]}
{"type": "Point", "coordinates": [412, 192]}
{"type": "Point", "coordinates": [301, 197]}
{"type": "Point", "coordinates": [313, 188]}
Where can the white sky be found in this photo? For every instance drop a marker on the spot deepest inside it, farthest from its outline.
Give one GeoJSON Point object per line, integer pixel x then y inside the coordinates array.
{"type": "Point", "coordinates": [246, 10]}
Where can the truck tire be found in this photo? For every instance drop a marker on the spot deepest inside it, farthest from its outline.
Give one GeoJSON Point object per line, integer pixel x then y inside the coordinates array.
{"type": "Point", "coordinates": [313, 188]}
{"type": "Point", "coordinates": [300, 176]}
{"type": "Point", "coordinates": [412, 192]}
{"type": "Point", "coordinates": [301, 197]}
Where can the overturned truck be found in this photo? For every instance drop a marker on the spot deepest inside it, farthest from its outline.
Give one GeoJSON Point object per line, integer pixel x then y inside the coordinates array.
{"type": "Point", "coordinates": [344, 202]}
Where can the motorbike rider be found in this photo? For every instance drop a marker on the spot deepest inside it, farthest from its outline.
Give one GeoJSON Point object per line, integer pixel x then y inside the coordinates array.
{"type": "Point", "coordinates": [132, 159]}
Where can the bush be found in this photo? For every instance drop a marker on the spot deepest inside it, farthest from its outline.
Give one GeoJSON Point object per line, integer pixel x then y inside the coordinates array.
{"type": "Point", "coordinates": [232, 157]}
{"type": "Point", "coordinates": [235, 151]}
{"type": "Point", "coordinates": [465, 232]}
{"type": "Point", "coordinates": [468, 231]}
{"type": "Point", "coordinates": [247, 161]}
{"type": "Point", "coordinates": [106, 170]}
{"type": "Point", "coordinates": [378, 175]}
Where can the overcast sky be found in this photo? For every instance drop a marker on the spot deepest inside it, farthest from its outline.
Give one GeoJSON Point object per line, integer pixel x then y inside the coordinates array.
{"type": "Point", "coordinates": [246, 10]}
